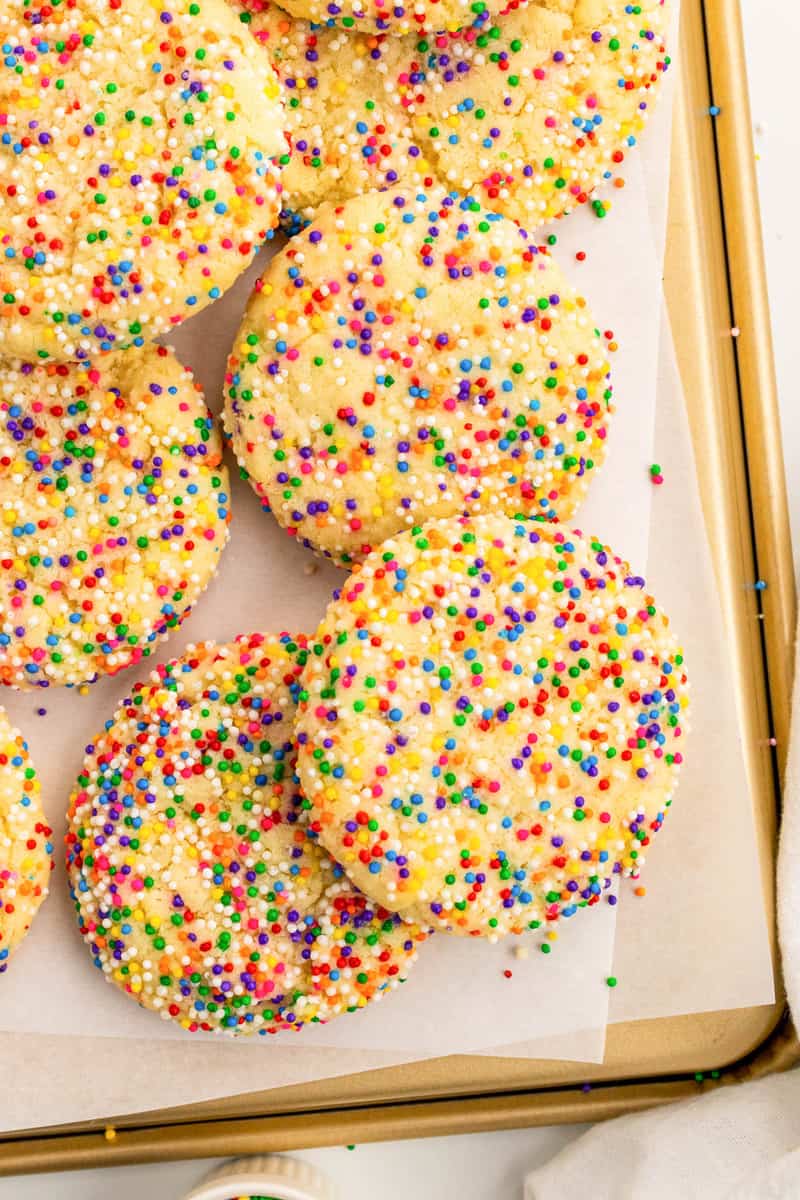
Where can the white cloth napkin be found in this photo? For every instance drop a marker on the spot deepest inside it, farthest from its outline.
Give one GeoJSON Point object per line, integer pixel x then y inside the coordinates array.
{"type": "Point", "coordinates": [740, 1143]}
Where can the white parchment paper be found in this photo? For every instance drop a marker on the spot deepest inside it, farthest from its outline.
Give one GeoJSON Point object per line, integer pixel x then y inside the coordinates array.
{"type": "Point", "coordinates": [699, 941]}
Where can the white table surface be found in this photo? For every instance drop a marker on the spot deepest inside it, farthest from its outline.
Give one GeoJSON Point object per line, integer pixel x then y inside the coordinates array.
{"type": "Point", "coordinates": [492, 1166]}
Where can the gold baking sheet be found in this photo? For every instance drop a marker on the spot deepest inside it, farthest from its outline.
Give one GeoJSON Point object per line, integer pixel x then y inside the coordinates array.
{"type": "Point", "coordinates": [714, 280]}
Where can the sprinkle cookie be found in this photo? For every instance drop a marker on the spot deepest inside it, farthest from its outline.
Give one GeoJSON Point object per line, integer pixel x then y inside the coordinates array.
{"type": "Point", "coordinates": [492, 723]}
{"type": "Point", "coordinates": [198, 885]}
{"type": "Point", "coordinates": [348, 128]}
{"type": "Point", "coordinates": [534, 113]}
{"type": "Point", "coordinates": [25, 847]}
{"type": "Point", "coordinates": [136, 180]}
{"type": "Point", "coordinates": [411, 355]}
{"type": "Point", "coordinates": [113, 512]}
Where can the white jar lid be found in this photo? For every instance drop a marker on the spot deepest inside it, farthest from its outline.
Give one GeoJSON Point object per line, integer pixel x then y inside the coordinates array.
{"type": "Point", "coordinates": [272, 1175]}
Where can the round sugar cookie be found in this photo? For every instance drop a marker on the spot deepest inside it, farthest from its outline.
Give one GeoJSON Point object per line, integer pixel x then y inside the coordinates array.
{"type": "Point", "coordinates": [113, 511]}
{"type": "Point", "coordinates": [199, 887]}
{"type": "Point", "coordinates": [412, 355]}
{"type": "Point", "coordinates": [532, 114]}
{"type": "Point", "coordinates": [346, 119]}
{"type": "Point", "coordinates": [492, 724]}
{"type": "Point", "coordinates": [26, 852]}
{"type": "Point", "coordinates": [136, 180]}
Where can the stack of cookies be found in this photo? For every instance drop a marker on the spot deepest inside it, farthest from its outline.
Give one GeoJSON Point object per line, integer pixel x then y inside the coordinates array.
{"type": "Point", "coordinates": [485, 731]}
